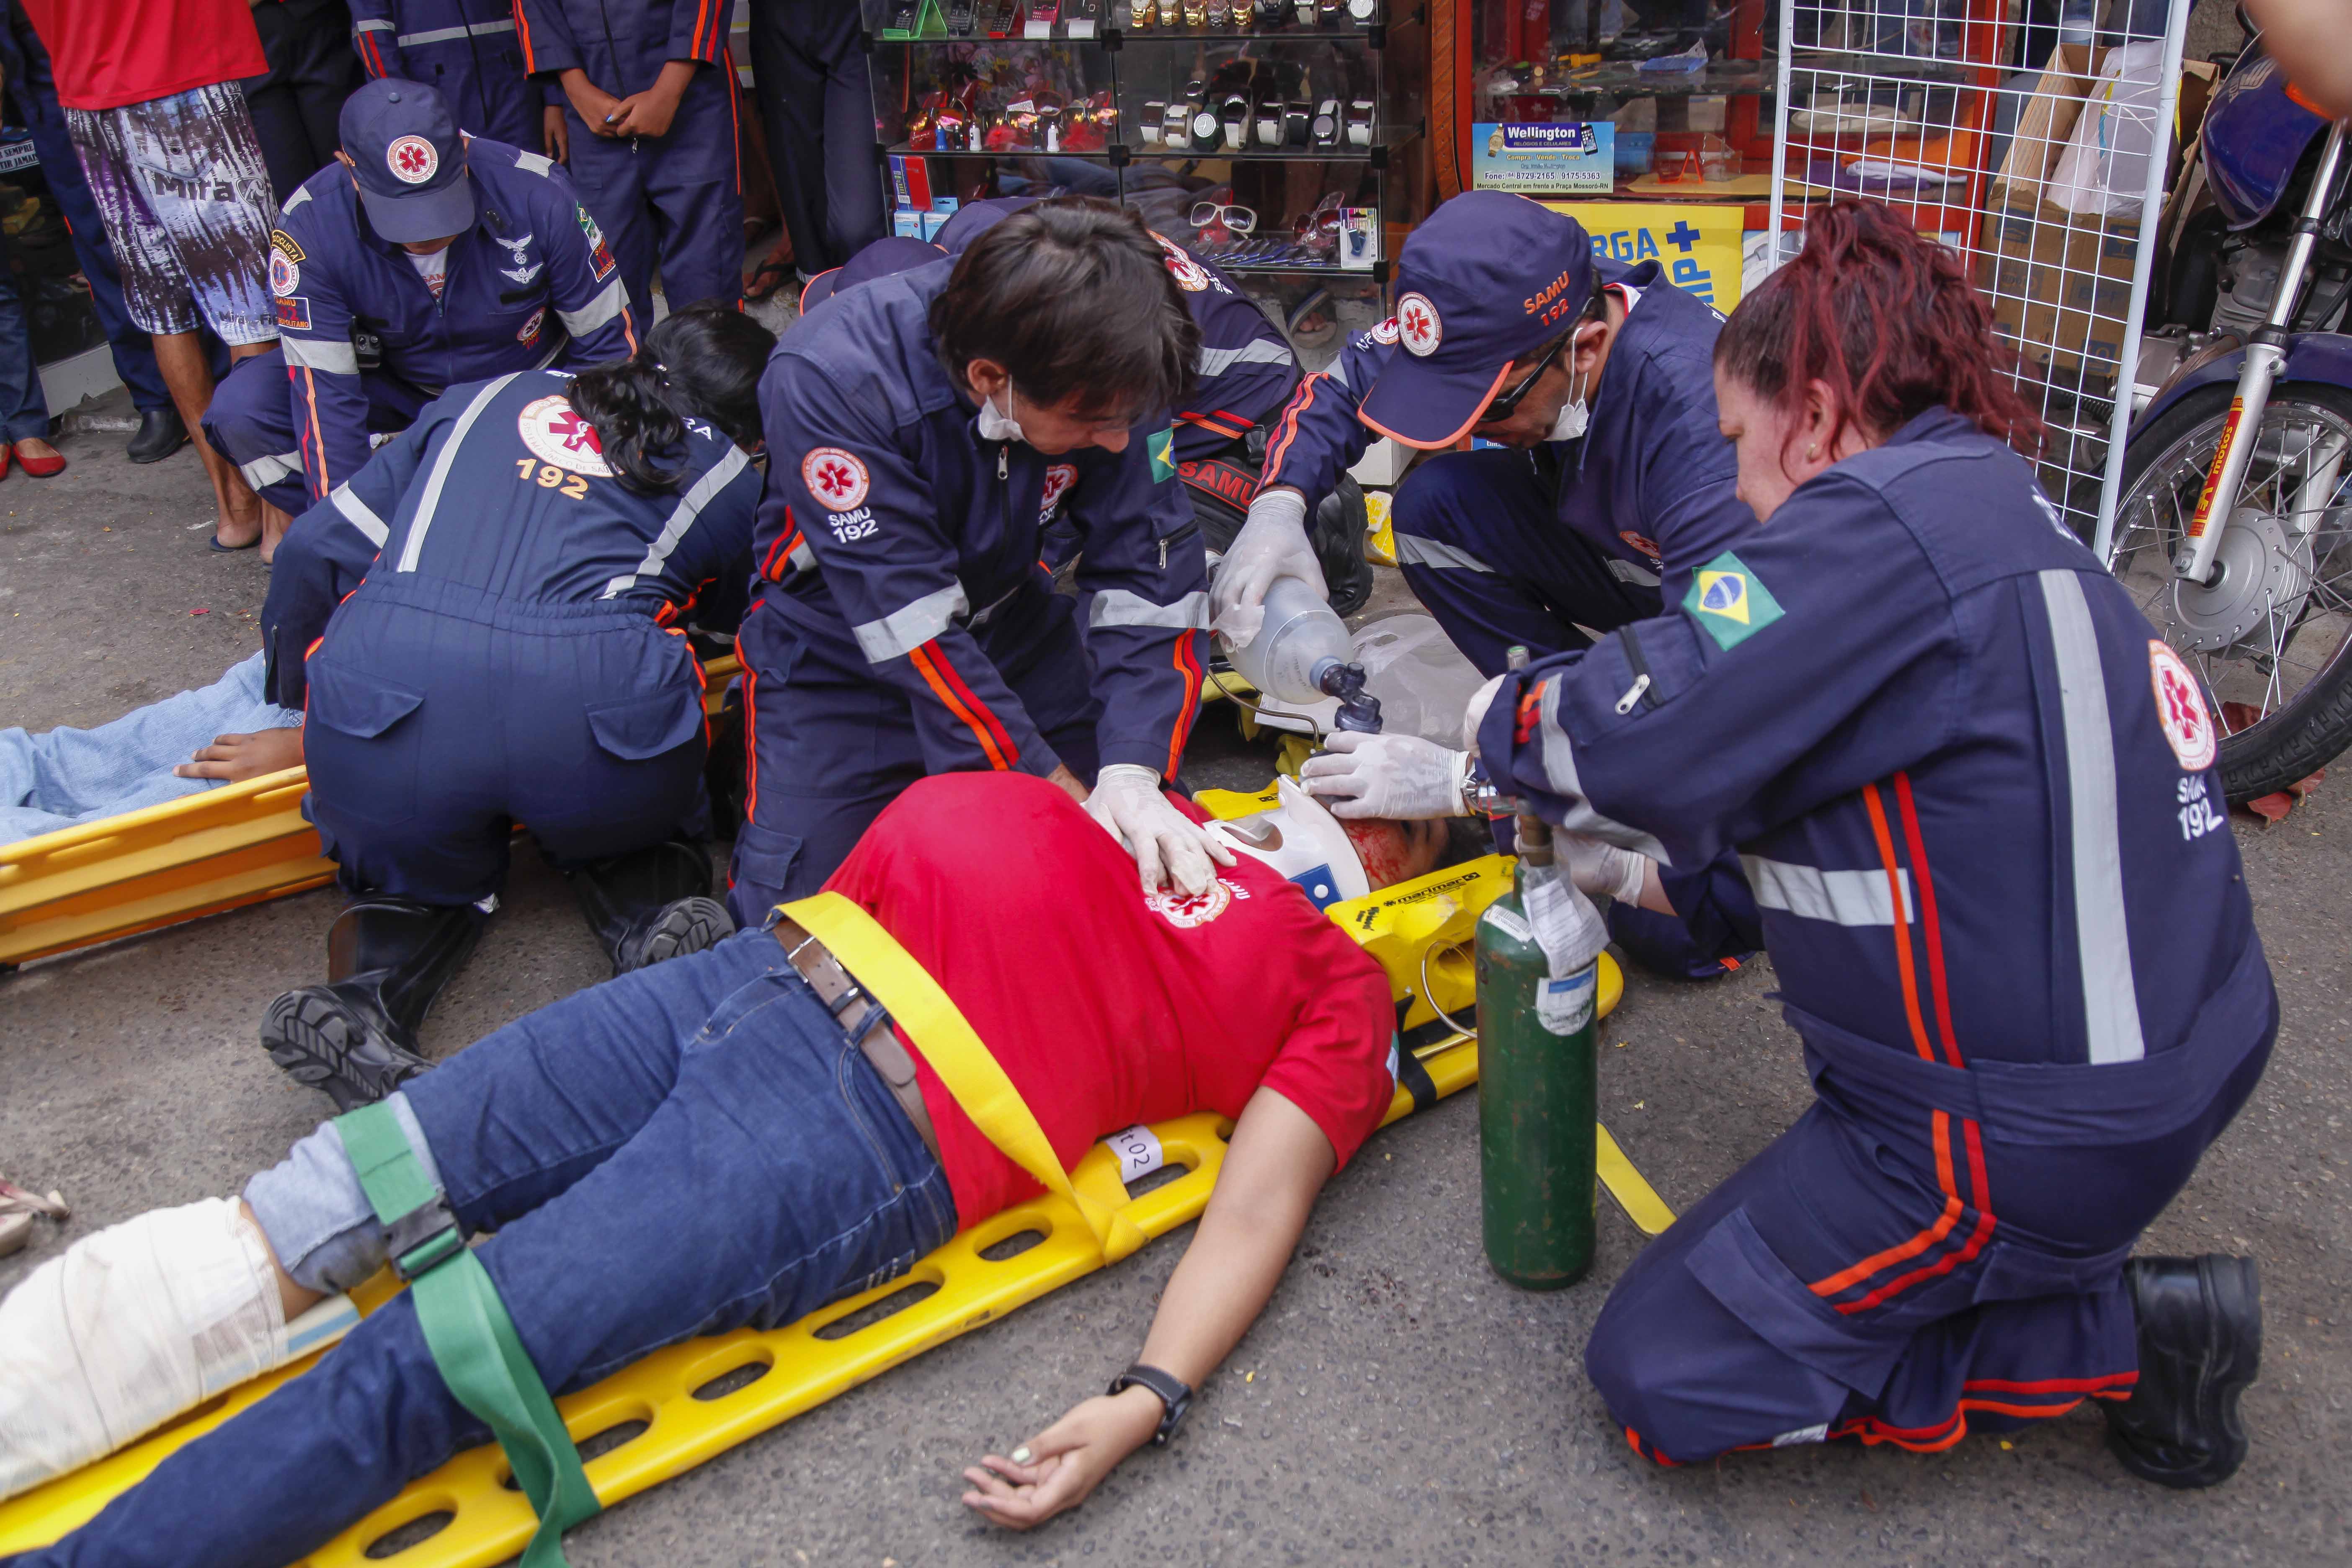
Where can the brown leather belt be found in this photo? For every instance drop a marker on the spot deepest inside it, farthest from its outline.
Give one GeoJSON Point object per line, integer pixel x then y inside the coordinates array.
{"type": "Point", "coordinates": [851, 1005]}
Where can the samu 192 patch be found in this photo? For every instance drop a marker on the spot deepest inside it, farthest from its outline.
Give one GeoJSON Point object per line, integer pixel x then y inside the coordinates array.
{"type": "Point", "coordinates": [293, 313]}
{"type": "Point", "coordinates": [1730, 601]}
{"type": "Point", "coordinates": [1160, 445]}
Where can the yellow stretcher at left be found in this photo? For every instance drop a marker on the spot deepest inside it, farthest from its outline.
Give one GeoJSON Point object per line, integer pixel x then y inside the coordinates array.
{"type": "Point", "coordinates": [200, 855]}
{"type": "Point", "coordinates": [700, 1398]}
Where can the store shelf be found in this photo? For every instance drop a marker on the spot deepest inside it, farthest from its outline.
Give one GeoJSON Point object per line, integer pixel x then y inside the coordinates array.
{"type": "Point", "coordinates": [1377, 155]}
{"type": "Point", "coordinates": [1112, 154]}
{"type": "Point", "coordinates": [1721, 79]}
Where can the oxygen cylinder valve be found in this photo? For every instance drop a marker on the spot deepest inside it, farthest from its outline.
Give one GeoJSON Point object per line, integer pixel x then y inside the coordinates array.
{"type": "Point", "coordinates": [1359, 709]}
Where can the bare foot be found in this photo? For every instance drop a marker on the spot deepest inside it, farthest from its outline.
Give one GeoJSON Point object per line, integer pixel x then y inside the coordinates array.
{"type": "Point", "coordinates": [274, 524]}
{"type": "Point", "coordinates": [241, 519]}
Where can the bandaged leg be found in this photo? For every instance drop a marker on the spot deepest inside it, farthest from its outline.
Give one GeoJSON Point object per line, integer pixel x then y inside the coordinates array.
{"type": "Point", "coordinates": [128, 1328]}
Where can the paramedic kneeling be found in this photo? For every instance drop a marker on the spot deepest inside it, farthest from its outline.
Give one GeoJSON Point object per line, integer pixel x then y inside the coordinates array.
{"type": "Point", "coordinates": [706, 1143]}
{"type": "Point", "coordinates": [2027, 981]}
{"type": "Point", "coordinates": [923, 429]}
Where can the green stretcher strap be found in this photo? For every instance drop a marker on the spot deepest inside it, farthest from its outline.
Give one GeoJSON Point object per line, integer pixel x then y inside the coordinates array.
{"type": "Point", "coordinates": [466, 1328]}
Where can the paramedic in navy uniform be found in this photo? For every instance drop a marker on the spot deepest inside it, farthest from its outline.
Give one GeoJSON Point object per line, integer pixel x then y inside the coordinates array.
{"type": "Point", "coordinates": [512, 655]}
{"type": "Point", "coordinates": [1977, 799]}
{"type": "Point", "coordinates": [455, 258]}
{"type": "Point", "coordinates": [1610, 489]}
{"type": "Point", "coordinates": [923, 429]}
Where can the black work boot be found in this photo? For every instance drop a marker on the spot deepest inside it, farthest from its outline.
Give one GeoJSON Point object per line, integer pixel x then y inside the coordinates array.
{"type": "Point", "coordinates": [2201, 1344]}
{"type": "Point", "coordinates": [388, 960]}
{"type": "Point", "coordinates": [651, 903]}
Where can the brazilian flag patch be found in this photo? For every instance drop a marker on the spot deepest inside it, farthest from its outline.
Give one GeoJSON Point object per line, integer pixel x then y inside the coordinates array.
{"type": "Point", "coordinates": [1163, 466]}
{"type": "Point", "coordinates": [1730, 601]}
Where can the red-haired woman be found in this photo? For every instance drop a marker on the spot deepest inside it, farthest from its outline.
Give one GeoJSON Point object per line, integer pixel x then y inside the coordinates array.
{"type": "Point", "coordinates": [1976, 802]}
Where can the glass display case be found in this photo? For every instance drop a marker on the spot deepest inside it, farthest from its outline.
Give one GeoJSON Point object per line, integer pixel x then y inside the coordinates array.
{"type": "Point", "coordinates": [1275, 138]}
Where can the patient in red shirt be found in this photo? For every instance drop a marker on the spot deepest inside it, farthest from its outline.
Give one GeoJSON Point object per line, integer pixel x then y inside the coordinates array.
{"type": "Point", "coordinates": [735, 1137]}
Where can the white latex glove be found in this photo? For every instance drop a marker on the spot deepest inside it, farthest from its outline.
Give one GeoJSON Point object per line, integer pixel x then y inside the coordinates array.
{"type": "Point", "coordinates": [1597, 868]}
{"type": "Point", "coordinates": [1475, 714]}
{"type": "Point", "coordinates": [1272, 544]}
{"type": "Point", "coordinates": [1386, 776]}
{"type": "Point", "coordinates": [1167, 845]}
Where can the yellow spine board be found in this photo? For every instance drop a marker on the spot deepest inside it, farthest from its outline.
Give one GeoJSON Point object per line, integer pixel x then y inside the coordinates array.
{"type": "Point", "coordinates": [812, 1360]}
{"type": "Point", "coordinates": [200, 855]}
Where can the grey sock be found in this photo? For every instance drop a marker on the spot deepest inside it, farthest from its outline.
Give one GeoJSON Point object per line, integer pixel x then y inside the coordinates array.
{"type": "Point", "coordinates": [311, 1208]}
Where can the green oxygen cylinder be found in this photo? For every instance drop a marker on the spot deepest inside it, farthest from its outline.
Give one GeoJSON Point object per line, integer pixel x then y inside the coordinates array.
{"type": "Point", "coordinates": [1537, 1070]}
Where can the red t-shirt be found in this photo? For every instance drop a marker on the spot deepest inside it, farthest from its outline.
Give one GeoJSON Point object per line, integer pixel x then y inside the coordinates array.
{"type": "Point", "coordinates": [1107, 1006]}
{"type": "Point", "coordinates": [108, 53]}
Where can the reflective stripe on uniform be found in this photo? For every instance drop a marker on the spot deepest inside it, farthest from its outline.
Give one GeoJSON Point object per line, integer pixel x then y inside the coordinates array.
{"type": "Point", "coordinates": [359, 515]}
{"type": "Point", "coordinates": [440, 475]}
{"type": "Point", "coordinates": [1624, 570]}
{"type": "Point", "coordinates": [371, 26]}
{"type": "Point", "coordinates": [268, 470]}
{"type": "Point", "coordinates": [443, 35]}
{"type": "Point", "coordinates": [537, 163]}
{"type": "Point", "coordinates": [1414, 551]}
{"type": "Point", "coordinates": [1257, 351]}
{"type": "Point", "coordinates": [321, 353]}
{"type": "Point", "coordinates": [296, 200]}
{"type": "Point", "coordinates": [1840, 897]}
{"type": "Point", "coordinates": [2110, 1001]}
{"type": "Point", "coordinates": [1119, 608]}
{"type": "Point", "coordinates": [1560, 778]}
{"type": "Point", "coordinates": [596, 312]}
{"type": "Point", "coordinates": [681, 518]}
{"type": "Point", "coordinates": [903, 630]}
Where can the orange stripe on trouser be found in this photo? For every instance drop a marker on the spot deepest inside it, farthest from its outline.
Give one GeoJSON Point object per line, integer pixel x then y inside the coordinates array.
{"type": "Point", "coordinates": [319, 485]}
{"type": "Point", "coordinates": [921, 658]}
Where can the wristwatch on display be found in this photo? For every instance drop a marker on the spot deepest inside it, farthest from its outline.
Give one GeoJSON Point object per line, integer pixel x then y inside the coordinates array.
{"type": "Point", "coordinates": [1272, 13]}
{"type": "Point", "coordinates": [1238, 122]}
{"type": "Point", "coordinates": [1295, 117]}
{"type": "Point", "coordinates": [1269, 123]}
{"type": "Point", "coordinates": [1175, 1397]}
{"type": "Point", "coordinates": [1139, 14]}
{"type": "Point", "coordinates": [1176, 127]}
{"type": "Point", "coordinates": [1306, 9]}
{"type": "Point", "coordinates": [1359, 122]}
{"type": "Point", "coordinates": [960, 18]}
{"type": "Point", "coordinates": [1326, 123]}
{"type": "Point", "coordinates": [1330, 11]}
{"type": "Point", "coordinates": [1206, 137]}
{"type": "Point", "coordinates": [1155, 119]}
{"type": "Point", "coordinates": [1220, 16]}
{"type": "Point", "coordinates": [1363, 10]}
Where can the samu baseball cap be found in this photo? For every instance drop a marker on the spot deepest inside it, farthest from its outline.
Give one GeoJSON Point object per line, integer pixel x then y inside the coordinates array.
{"type": "Point", "coordinates": [409, 160]}
{"type": "Point", "coordinates": [1489, 276]}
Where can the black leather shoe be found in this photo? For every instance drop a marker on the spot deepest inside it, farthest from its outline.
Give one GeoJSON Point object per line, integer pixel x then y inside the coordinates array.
{"type": "Point", "coordinates": [650, 904]}
{"type": "Point", "coordinates": [388, 960]}
{"type": "Point", "coordinates": [2201, 1344]}
{"type": "Point", "coordinates": [160, 434]}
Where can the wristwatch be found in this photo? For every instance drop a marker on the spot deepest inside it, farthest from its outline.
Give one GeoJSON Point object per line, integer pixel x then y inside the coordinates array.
{"type": "Point", "coordinates": [1176, 127]}
{"type": "Point", "coordinates": [1139, 14]}
{"type": "Point", "coordinates": [1220, 15]}
{"type": "Point", "coordinates": [1480, 796]}
{"type": "Point", "coordinates": [1306, 9]}
{"type": "Point", "coordinates": [1359, 122]}
{"type": "Point", "coordinates": [1206, 130]}
{"type": "Point", "coordinates": [1155, 119]}
{"type": "Point", "coordinates": [1363, 10]}
{"type": "Point", "coordinates": [1196, 13]}
{"type": "Point", "coordinates": [1174, 1396]}
{"type": "Point", "coordinates": [1269, 123]}
{"type": "Point", "coordinates": [1272, 13]}
{"type": "Point", "coordinates": [1293, 123]}
{"type": "Point", "coordinates": [1326, 123]}
{"type": "Point", "coordinates": [1238, 122]}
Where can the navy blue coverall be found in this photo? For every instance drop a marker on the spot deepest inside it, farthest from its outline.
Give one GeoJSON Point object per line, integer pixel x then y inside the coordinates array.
{"type": "Point", "coordinates": [903, 625]}
{"type": "Point", "coordinates": [674, 199]}
{"type": "Point", "coordinates": [1977, 801]}
{"type": "Point", "coordinates": [511, 654]}
{"type": "Point", "coordinates": [530, 284]}
{"type": "Point", "coordinates": [464, 49]}
{"type": "Point", "coordinates": [25, 62]}
{"type": "Point", "coordinates": [1507, 546]}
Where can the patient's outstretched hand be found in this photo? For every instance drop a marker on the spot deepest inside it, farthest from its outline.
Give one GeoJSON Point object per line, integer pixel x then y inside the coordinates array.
{"type": "Point", "coordinates": [238, 757]}
{"type": "Point", "coordinates": [1059, 1468]}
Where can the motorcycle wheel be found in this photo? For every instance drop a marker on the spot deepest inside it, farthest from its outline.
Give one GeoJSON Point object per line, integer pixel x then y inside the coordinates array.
{"type": "Point", "coordinates": [2271, 639]}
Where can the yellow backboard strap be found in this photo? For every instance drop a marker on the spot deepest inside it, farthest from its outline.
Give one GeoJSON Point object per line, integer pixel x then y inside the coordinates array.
{"type": "Point", "coordinates": [956, 1054]}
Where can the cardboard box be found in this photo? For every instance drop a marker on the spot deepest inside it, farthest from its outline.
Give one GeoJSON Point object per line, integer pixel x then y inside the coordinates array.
{"type": "Point", "coordinates": [2059, 283]}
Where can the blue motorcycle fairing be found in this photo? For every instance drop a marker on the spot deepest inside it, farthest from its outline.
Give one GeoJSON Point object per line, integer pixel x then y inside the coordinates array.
{"type": "Point", "coordinates": [2310, 356]}
{"type": "Point", "coordinates": [2255, 136]}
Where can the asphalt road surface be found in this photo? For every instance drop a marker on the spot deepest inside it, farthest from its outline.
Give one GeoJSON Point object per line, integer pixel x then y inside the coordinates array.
{"type": "Point", "coordinates": [1397, 1404]}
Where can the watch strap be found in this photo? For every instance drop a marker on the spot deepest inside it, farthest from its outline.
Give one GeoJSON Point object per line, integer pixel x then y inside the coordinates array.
{"type": "Point", "coordinates": [1175, 1394]}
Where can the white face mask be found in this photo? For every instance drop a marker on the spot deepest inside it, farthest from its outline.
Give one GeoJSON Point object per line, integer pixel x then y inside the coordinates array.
{"type": "Point", "coordinates": [995, 427]}
{"type": "Point", "coordinates": [1573, 414]}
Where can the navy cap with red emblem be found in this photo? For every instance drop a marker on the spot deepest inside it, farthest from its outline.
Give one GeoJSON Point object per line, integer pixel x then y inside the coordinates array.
{"type": "Point", "coordinates": [1487, 278]}
{"type": "Point", "coordinates": [409, 160]}
{"type": "Point", "coordinates": [891, 253]}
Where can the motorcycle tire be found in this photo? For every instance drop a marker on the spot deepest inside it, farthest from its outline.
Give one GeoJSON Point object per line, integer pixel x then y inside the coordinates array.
{"type": "Point", "coordinates": [2311, 727]}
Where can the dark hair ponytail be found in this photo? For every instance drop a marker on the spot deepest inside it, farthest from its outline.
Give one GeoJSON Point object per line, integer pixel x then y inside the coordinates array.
{"type": "Point", "coordinates": [701, 362]}
{"type": "Point", "coordinates": [1888, 319]}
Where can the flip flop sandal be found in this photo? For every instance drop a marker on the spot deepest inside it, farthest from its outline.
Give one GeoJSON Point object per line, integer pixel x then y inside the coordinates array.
{"type": "Point", "coordinates": [17, 1208]}
{"type": "Point", "coordinates": [214, 545]}
{"type": "Point", "coordinates": [772, 276]}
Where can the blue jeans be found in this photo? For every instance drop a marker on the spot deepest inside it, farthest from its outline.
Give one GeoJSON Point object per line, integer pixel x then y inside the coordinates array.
{"type": "Point", "coordinates": [686, 1150]}
{"type": "Point", "coordinates": [62, 776]}
{"type": "Point", "coordinates": [23, 410]}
